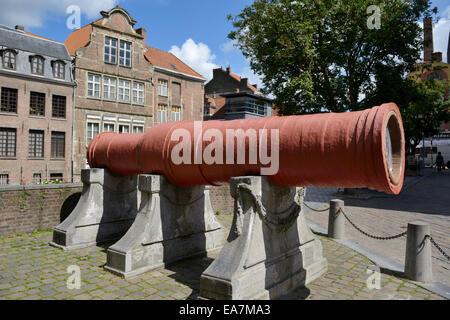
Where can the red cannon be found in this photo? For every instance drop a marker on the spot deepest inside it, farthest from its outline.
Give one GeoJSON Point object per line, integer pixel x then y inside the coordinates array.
{"type": "Point", "coordinates": [352, 149]}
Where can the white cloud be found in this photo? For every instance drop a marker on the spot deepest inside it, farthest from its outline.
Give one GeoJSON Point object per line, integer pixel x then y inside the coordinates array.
{"type": "Point", "coordinates": [196, 55]}
{"type": "Point", "coordinates": [228, 46]}
{"type": "Point", "coordinates": [440, 34]}
{"type": "Point", "coordinates": [32, 13]}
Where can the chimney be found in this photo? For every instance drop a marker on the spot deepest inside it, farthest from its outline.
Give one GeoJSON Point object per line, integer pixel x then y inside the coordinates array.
{"type": "Point", "coordinates": [244, 82]}
{"type": "Point", "coordinates": [448, 48]}
{"type": "Point", "coordinates": [428, 39]}
{"type": "Point", "coordinates": [143, 33]}
{"type": "Point", "coordinates": [19, 27]}
{"type": "Point", "coordinates": [228, 69]}
{"type": "Point", "coordinates": [255, 85]}
{"type": "Point", "coordinates": [437, 56]}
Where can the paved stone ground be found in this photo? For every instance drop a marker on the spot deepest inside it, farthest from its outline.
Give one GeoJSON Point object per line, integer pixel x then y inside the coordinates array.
{"type": "Point", "coordinates": [30, 269]}
{"type": "Point", "coordinates": [426, 198]}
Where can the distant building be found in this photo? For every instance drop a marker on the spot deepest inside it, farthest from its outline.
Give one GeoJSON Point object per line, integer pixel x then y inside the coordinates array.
{"type": "Point", "coordinates": [228, 97]}
{"type": "Point", "coordinates": [36, 108]}
{"type": "Point", "coordinates": [125, 86]}
{"type": "Point", "coordinates": [433, 67]}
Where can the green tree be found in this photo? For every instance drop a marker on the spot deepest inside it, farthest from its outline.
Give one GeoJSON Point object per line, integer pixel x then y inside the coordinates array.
{"type": "Point", "coordinates": [422, 103]}
{"type": "Point", "coordinates": [318, 56]}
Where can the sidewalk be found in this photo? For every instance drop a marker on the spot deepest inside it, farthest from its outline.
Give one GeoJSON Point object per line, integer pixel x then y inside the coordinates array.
{"type": "Point", "coordinates": [31, 269]}
{"type": "Point", "coordinates": [426, 198]}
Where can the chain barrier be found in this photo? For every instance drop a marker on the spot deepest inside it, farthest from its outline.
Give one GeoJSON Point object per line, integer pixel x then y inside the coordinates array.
{"type": "Point", "coordinates": [437, 246]}
{"type": "Point", "coordinates": [322, 210]}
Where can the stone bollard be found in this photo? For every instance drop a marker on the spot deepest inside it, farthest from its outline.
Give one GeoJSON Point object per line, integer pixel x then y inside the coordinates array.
{"type": "Point", "coordinates": [336, 220]}
{"type": "Point", "coordinates": [418, 266]}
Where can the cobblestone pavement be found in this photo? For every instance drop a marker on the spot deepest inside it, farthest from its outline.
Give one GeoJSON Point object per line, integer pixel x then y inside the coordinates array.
{"type": "Point", "coordinates": [426, 198]}
{"type": "Point", "coordinates": [31, 269]}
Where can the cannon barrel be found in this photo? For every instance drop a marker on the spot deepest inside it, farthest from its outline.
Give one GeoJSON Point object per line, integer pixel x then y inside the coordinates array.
{"type": "Point", "coordinates": [351, 150]}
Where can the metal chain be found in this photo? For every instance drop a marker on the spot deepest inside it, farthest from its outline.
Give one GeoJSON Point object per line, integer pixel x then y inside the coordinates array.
{"type": "Point", "coordinates": [369, 235]}
{"type": "Point", "coordinates": [323, 210]}
{"type": "Point", "coordinates": [437, 246]}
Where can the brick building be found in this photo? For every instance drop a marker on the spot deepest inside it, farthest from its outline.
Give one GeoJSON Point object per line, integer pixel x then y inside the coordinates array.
{"type": "Point", "coordinates": [36, 108]}
{"type": "Point", "coordinates": [124, 86]}
{"type": "Point", "coordinates": [228, 97]}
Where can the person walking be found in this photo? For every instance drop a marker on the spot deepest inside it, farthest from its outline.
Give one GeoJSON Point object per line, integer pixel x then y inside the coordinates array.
{"type": "Point", "coordinates": [439, 162]}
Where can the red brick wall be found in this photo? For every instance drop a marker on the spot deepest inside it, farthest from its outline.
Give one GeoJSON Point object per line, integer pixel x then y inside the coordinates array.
{"type": "Point", "coordinates": [24, 209]}
{"type": "Point", "coordinates": [221, 199]}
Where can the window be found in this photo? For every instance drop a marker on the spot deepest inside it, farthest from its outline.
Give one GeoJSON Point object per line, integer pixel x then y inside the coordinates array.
{"type": "Point", "coordinates": [9, 100]}
{"type": "Point", "coordinates": [162, 87]}
{"type": "Point", "coordinates": [176, 93]}
{"type": "Point", "coordinates": [37, 178]}
{"type": "Point", "coordinates": [93, 85]}
{"type": "Point", "coordinates": [7, 142]}
{"type": "Point", "coordinates": [138, 92]}
{"type": "Point", "coordinates": [125, 54]}
{"type": "Point", "coordinates": [4, 179]}
{"type": "Point", "coordinates": [9, 59]}
{"type": "Point", "coordinates": [124, 128]}
{"type": "Point", "coordinates": [36, 144]}
{"type": "Point", "coordinates": [56, 177]}
{"type": "Point", "coordinates": [37, 65]}
{"type": "Point", "coordinates": [138, 129]}
{"type": "Point", "coordinates": [58, 106]}
{"type": "Point", "coordinates": [58, 144]}
{"type": "Point", "coordinates": [108, 127]}
{"type": "Point", "coordinates": [59, 69]}
{"type": "Point", "coordinates": [176, 113]}
{"type": "Point", "coordinates": [37, 103]}
{"type": "Point", "coordinates": [124, 90]}
{"type": "Point", "coordinates": [110, 50]}
{"type": "Point", "coordinates": [92, 129]}
{"type": "Point", "coordinates": [162, 113]}
{"type": "Point", "coordinates": [109, 88]}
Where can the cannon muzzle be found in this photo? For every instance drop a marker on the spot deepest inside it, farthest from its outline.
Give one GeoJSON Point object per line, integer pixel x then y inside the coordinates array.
{"type": "Point", "coordinates": [351, 150]}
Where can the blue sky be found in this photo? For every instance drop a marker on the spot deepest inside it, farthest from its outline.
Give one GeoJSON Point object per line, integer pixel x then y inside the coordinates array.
{"type": "Point", "coordinates": [194, 30]}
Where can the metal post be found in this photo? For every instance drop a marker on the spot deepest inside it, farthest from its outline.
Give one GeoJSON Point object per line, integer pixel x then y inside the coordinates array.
{"type": "Point", "coordinates": [418, 266]}
{"type": "Point", "coordinates": [336, 220]}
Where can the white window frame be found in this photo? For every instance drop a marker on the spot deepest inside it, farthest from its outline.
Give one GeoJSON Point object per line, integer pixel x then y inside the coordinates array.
{"type": "Point", "coordinates": [89, 138]}
{"type": "Point", "coordinates": [175, 115]}
{"type": "Point", "coordinates": [124, 91]}
{"type": "Point", "coordinates": [109, 88]}
{"type": "Point", "coordinates": [162, 113]}
{"type": "Point", "coordinates": [110, 57]}
{"type": "Point", "coordinates": [125, 61]}
{"type": "Point", "coordinates": [109, 124]}
{"type": "Point", "coordinates": [138, 92]}
{"type": "Point", "coordinates": [138, 126]}
{"type": "Point", "coordinates": [122, 125]}
{"type": "Point", "coordinates": [163, 88]}
{"type": "Point", "coordinates": [95, 91]}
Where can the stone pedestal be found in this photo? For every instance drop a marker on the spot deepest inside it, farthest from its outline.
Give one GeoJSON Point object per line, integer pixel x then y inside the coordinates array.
{"type": "Point", "coordinates": [105, 211]}
{"type": "Point", "coordinates": [270, 250]}
{"type": "Point", "coordinates": [173, 223]}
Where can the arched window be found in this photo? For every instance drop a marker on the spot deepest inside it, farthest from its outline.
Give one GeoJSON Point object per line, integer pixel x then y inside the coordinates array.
{"type": "Point", "coordinates": [435, 75]}
{"type": "Point", "coordinates": [37, 65]}
{"type": "Point", "coordinates": [58, 69]}
{"type": "Point", "coordinates": [9, 59]}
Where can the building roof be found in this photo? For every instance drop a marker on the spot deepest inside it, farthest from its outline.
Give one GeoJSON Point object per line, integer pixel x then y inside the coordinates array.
{"type": "Point", "coordinates": [238, 78]}
{"type": "Point", "coordinates": [169, 61]}
{"type": "Point", "coordinates": [78, 39]}
{"type": "Point", "coordinates": [219, 104]}
{"type": "Point", "coordinates": [26, 41]}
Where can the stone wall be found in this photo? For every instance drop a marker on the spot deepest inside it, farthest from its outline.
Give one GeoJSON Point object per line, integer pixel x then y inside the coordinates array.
{"type": "Point", "coordinates": [35, 207]}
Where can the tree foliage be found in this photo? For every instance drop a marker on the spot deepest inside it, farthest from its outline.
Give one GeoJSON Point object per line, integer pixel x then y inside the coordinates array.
{"type": "Point", "coordinates": [317, 56]}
